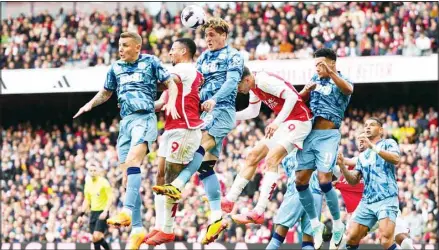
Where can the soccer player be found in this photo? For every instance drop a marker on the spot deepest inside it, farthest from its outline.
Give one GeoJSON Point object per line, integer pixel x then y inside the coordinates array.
{"type": "Point", "coordinates": [221, 66]}
{"type": "Point", "coordinates": [329, 92]}
{"type": "Point", "coordinates": [291, 211]}
{"type": "Point", "coordinates": [285, 133]}
{"type": "Point", "coordinates": [182, 137]}
{"type": "Point", "coordinates": [376, 165]}
{"type": "Point", "coordinates": [98, 198]}
{"type": "Point", "coordinates": [134, 77]}
{"type": "Point", "coordinates": [352, 195]}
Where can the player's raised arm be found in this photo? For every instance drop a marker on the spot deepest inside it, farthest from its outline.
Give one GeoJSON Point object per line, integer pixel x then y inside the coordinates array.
{"type": "Point", "coordinates": [166, 78]}
{"type": "Point", "coordinates": [391, 152]}
{"type": "Point", "coordinates": [102, 96]}
{"type": "Point", "coordinates": [353, 177]}
{"type": "Point", "coordinates": [326, 62]}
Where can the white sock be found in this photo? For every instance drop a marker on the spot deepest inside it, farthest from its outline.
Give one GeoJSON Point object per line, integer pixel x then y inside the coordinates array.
{"type": "Point", "coordinates": [215, 215]}
{"type": "Point", "coordinates": [267, 188]}
{"type": "Point", "coordinates": [237, 187]}
{"type": "Point", "coordinates": [407, 244]}
{"type": "Point", "coordinates": [128, 211]}
{"type": "Point", "coordinates": [178, 184]}
{"type": "Point", "coordinates": [170, 211]}
{"type": "Point", "coordinates": [159, 205]}
{"type": "Point", "coordinates": [315, 223]}
{"type": "Point", "coordinates": [338, 224]}
{"type": "Point", "coordinates": [135, 230]}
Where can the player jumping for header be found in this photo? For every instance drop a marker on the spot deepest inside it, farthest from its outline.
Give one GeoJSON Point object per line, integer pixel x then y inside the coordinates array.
{"type": "Point", "coordinates": [134, 77]}
{"type": "Point", "coordinates": [291, 126]}
{"type": "Point", "coordinates": [329, 93]}
{"type": "Point", "coordinates": [182, 137]}
{"type": "Point", "coordinates": [221, 66]}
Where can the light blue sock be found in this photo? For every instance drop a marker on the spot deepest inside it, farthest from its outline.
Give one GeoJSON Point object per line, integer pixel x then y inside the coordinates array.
{"type": "Point", "coordinates": [307, 200]}
{"type": "Point", "coordinates": [190, 169]}
{"type": "Point", "coordinates": [307, 245]}
{"type": "Point", "coordinates": [133, 186]}
{"type": "Point", "coordinates": [137, 213]}
{"type": "Point", "coordinates": [211, 185]}
{"type": "Point", "coordinates": [275, 242]}
{"type": "Point", "coordinates": [331, 200]}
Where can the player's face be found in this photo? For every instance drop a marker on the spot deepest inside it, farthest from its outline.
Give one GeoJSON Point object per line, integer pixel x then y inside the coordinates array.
{"type": "Point", "coordinates": [129, 49]}
{"type": "Point", "coordinates": [214, 40]}
{"type": "Point", "coordinates": [244, 85]}
{"type": "Point", "coordinates": [372, 129]}
{"type": "Point", "coordinates": [177, 52]}
{"type": "Point", "coordinates": [321, 70]}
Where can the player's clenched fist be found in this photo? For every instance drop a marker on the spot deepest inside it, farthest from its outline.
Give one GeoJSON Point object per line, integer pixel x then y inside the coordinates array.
{"type": "Point", "coordinates": [340, 159]}
{"type": "Point", "coordinates": [208, 105]}
{"type": "Point", "coordinates": [270, 129]}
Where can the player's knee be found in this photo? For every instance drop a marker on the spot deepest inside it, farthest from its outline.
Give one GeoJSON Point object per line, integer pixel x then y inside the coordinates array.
{"type": "Point", "coordinates": [386, 240]}
{"type": "Point", "coordinates": [352, 239]}
{"type": "Point", "coordinates": [324, 177]}
{"type": "Point", "coordinates": [272, 162]}
{"type": "Point", "coordinates": [206, 169]}
{"type": "Point", "coordinates": [252, 158]}
{"type": "Point", "coordinates": [96, 237]}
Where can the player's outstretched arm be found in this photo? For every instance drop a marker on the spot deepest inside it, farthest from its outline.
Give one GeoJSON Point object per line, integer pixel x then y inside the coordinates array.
{"type": "Point", "coordinates": [353, 177]}
{"type": "Point", "coordinates": [102, 96]}
{"type": "Point", "coordinates": [345, 87]}
{"type": "Point", "coordinates": [250, 112]}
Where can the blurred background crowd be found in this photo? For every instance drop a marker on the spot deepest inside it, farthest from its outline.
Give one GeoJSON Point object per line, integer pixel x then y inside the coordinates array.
{"type": "Point", "coordinates": [44, 171]}
{"type": "Point", "coordinates": [259, 31]}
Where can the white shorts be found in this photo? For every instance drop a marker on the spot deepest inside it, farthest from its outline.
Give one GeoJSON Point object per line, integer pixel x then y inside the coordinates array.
{"type": "Point", "coordinates": [179, 145]}
{"type": "Point", "coordinates": [290, 134]}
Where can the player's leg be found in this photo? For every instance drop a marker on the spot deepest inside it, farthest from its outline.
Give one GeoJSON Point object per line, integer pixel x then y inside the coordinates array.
{"type": "Point", "coordinates": [387, 211]}
{"type": "Point", "coordinates": [159, 200]}
{"type": "Point", "coordinates": [98, 235]}
{"type": "Point", "coordinates": [326, 155]}
{"type": "Point", "coordinates": [244, 176]}
{"type": "Point", "coordinates": [362, 221]}
{"type": "Point", "coordinates": [289, 213]}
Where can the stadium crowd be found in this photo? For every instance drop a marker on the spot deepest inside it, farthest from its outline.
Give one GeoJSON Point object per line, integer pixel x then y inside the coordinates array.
{"type": "Point", "coordinates": [259, 31]}
{"type": "Point", "coordinates": [44, 171]}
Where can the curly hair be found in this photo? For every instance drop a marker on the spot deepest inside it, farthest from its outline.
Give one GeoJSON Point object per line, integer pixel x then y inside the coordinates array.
{"type": "Point", "coordinates": [218, 24]}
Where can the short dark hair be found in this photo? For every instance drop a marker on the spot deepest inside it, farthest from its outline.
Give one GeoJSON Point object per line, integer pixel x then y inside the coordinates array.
{"type": "Point", "coordinates": [326, 53]}
{"type": "Point", "coordinates": [189, 44]}
{"type": "Point", "coordinates": [378, 120]}
{"type": "Point", "coordinates": [245, 72]}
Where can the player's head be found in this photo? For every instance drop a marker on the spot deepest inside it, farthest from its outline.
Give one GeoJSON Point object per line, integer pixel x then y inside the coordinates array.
{"type": "Point", "coordinates": [373, 127]}
{"type": "Point", "coordinates": [247, 81]}
{"type": "Point", "coordinates": [215, 32]}
{"type": "Point", "coordinates": [129, 46]}
{"type": "Point", "coordinates": [183, 50]}
{"type": "Point", "coordinates": [327, 55]}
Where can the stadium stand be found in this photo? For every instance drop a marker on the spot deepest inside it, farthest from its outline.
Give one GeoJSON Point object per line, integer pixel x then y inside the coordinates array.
{"type": "Point", "coordinates": [83, 39]}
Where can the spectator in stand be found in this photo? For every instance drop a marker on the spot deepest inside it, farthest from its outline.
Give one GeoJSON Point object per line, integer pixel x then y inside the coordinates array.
{"type": "Point", "coordinates": [84, 39]}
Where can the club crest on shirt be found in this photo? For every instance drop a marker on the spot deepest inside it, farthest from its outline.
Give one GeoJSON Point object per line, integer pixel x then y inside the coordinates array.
{"type": "Point", "coordinates": [325, 90]}
{"type": "Point", "coordinates": [141, 65]}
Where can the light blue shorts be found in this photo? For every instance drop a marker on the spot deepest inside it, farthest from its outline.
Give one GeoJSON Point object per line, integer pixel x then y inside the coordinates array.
{"type": "Point", "coordinates": [319, 150]}
{"type": "Point", "coordinates": [135, 129]}
{"type": "Point", "coordinates": [291, 211]}
{"type": "Point", "coordinates": [369, 214]}
{"type": "Point", "coordinates": [223, 122]}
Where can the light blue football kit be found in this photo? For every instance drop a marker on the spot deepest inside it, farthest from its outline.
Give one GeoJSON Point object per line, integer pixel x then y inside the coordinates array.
{"type": "Point", "coordinates": [136, 87]}
{"type": "Point", "coordinates": [380, 195]}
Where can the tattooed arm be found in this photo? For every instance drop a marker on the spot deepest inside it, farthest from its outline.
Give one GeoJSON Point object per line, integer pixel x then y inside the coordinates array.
{"type": "Point", "coordinates": [102, 96]}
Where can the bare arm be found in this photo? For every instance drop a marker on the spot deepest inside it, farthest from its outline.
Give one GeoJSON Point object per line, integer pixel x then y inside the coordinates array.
{"type": "Point", "coordinates": [389, 156]}
{"type": "Point", "coordinates": [172, 92]}
{"type": "Point", "coordinates": [102, 96]}
{"type": "Point", "coordinates": [353, 177]}
{"type": "Point", "coordinates": [344, 86]}
{"type": "Point", "coordinates": [306, 91]}
{"type": "Point", "coordinates": [350, 161]}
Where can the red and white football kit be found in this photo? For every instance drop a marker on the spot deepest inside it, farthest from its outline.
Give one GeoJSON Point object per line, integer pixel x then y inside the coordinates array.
{"type": "Point", "coordinates": [182, 137]}
{"type": "Point", "coordinates": [294, 121]}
